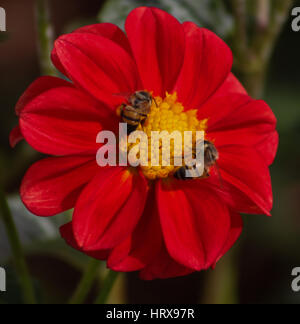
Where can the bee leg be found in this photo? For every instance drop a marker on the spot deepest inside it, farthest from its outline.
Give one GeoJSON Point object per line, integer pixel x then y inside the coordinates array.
{"type": "Point", "coordinates": [180, 174]}
{"type": "Point", "coordinates": [121, 110]}
{"type": "Point", "coordinates": [131, 129]}
{"type": "Point", "coordinates": [206, 173]}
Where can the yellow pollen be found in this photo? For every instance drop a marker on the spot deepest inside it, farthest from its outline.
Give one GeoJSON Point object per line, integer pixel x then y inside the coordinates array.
{"type": "Point", "coordinates": [167, 114]}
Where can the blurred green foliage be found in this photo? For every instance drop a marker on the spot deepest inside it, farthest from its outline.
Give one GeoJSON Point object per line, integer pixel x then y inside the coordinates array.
{"type": "Point", "coordinates": [211, 14]}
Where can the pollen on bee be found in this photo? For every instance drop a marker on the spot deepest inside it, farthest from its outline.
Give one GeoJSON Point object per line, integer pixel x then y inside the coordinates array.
{"type": "Point", "coordinates": [119, 111]}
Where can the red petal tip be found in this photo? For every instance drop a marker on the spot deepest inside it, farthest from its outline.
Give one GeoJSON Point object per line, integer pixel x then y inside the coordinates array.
{"type": "Point", "coordinates": [15, 136]}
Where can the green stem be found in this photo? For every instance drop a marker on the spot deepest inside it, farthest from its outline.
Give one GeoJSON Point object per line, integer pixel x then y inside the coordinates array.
{"type": "Point", "coordinates": [253, 64]}
{"type": "Point", "coordinates": [107, 286]}
{"type": "Point", "coordinates": [263, 13]}
{"type": "Point", "coordinates": [264, 42]}
{"type": "Point", "coordinates": [239, 8]}
{"type": "Point", "coordinates": [45, 37]}
{"type": "Point", "coordinates": [19, 258]}
{"type": "Point", "coordinates": [222, 283]}
{"type": "Point", "coordinates": [254, 81]}
{"type": "Point", "coordinates": [86, 283]}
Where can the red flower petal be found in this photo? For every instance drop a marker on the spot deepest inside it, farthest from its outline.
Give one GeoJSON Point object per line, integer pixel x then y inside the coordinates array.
{"type": "Point", "coordinates": [143, 245]}
{"type": "Point", "coordinates": [106, 30]}
{"type": "Point", "coordinates": [164, 267]}
{"type": "Point", "coordinates": [234, 233]}
{"type": "Point", "coordinates": [39, 86]}
{"type": "Point", "coordinates": [53, 185]}
{"type": "Point", "coordinates": [63, 121]}
{"type": "Point", "coordinates": [231, 86]}
{"type": "Point", "coordinates": [66, 231]}
{"type": "Point", "coordinates": [207, 63]}
{"type": "Point", "coordinates": [244, 168]}
{"type": "Point", "coordinates": [109, 208]}
{"type": "Point", "coordinates": [98, 65]}
{"type": "Point", "coordinates": [109, 31]}
{"type": "Point", "coordinates": [157, 42]}
{"type": "Point", "coordinates": [15, 136]}
{"type": "Point", "coordinates": [239, 120]}
{"type": "Point", "coordinates": [218, 108]}
{"type": "Point", "coordinates": [195, 223]}
{"type": "Point", "coordinates": [260, 138]}
{"type": "Point", "coordinates": [234, 198]}
{"type": "Point", "coordinates": [245, 114]}
{"type": "Point", "coordinates": [268, 147]}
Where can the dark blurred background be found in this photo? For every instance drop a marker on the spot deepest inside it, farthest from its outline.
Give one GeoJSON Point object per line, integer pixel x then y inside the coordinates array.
{"type": "Point", "coordinates": [269, 248]}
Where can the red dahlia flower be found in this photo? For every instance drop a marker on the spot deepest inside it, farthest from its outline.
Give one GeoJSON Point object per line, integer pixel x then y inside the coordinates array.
{"type": "Point", "coordinates": [145, 220]}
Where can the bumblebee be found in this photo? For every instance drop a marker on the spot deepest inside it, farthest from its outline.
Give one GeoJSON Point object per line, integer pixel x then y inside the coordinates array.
{"type": "Point", "coordinates": [211, 156]}
{"type": "Point", "coordinates": [137, 111]}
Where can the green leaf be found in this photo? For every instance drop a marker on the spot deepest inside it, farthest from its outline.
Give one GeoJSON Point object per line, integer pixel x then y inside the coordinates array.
{"type": "Point", "coordinates": [31, 228]}
{"type": "Point", "coordinates": [39, 235]}
{"type": "Point", "coordinates": [211, 14]}
{"type": "Point", "coordinates": [116, 11]}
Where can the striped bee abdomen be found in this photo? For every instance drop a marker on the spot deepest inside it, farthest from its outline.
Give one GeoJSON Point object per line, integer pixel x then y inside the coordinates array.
{"type": "Point", "coordinates": [188, 173]}
{"type": "Point", "coordinates": [132, 119]}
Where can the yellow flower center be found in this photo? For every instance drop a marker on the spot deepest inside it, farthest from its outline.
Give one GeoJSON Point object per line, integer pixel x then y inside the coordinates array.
{"type": "Point", "coordinates": [167, 114]}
